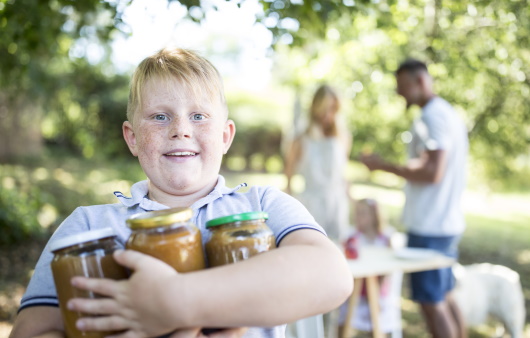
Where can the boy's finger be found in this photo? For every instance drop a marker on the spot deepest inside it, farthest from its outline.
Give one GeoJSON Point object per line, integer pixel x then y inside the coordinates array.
{"type": "Point", "coordinates": [187, 333]}
{"type": "Point", "coordinates": [107, 323]}
{"type": "Point", "coordinates": [134, 260]}
{"type": "Point", "coordinates": [229, 333]}
{"type": "Point", "coordinates": [99, 306]}
{"type": "Point", "coordinates": [101, 286]}
{"type": "Point", "coordinates": [126, 334]}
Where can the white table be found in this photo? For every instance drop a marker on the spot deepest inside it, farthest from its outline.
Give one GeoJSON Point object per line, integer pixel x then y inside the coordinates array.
{"type": "Point", "coordinates": [376, 261]}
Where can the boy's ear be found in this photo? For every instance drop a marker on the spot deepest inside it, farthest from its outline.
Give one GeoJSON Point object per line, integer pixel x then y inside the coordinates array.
{"type": "Point", "coordinates": [228, 135]}
{"type": "Point", "coordinates": [130, 137]}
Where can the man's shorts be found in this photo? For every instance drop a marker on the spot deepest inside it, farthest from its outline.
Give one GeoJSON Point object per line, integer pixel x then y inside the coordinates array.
{"type": "Point", "coordinates": [432, 286]}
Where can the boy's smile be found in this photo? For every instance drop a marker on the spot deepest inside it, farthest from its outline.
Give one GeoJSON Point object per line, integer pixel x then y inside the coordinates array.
{"type": "Point", "coordinates": [180, 137]}
{"type": "Point", "coordinates": [180, 155]}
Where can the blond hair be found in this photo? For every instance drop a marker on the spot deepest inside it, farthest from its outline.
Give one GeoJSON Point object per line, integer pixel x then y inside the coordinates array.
{"type": "Point", "coordinates": [192, 70]}
{"type": "Point", "coordinates": [323, 98]}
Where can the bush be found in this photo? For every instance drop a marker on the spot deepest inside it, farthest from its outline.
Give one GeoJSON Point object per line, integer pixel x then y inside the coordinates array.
{"type": "Point", "coordinates": [18, 215]}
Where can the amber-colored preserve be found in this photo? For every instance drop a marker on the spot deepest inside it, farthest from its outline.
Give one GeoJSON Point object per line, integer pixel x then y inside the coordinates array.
{"type": "Point", "coordinates": [169, 236]}
{"type": "Point", "coordinates": [238, 237]}
{"type": "Point", "coordinates": [86, 254]}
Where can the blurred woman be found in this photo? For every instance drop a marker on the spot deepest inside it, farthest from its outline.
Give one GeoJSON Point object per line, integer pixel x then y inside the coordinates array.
{"type": "Point", "coordinates": [320, 155]}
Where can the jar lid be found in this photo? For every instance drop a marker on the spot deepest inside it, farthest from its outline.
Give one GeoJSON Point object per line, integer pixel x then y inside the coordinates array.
{"type": "Point", "coordinates": [153, 219]}
{"type": "Point", "coordinates": [246, 216]}
{"type": "Point", "coordinates": [81, 237]}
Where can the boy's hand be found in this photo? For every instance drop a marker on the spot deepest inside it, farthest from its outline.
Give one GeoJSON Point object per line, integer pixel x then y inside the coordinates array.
{"type": "Point", "coordinates": [129, 307]}
{"type": "Point", "coordinates": [229, 333]}
{"type": "Point", "coordinates": [196, 333]}
{"type": "Point", "coordinates": [188, 333]}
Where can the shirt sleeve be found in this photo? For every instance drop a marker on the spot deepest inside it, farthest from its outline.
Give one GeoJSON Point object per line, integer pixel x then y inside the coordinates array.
{"type": "Point", "coordinates": [438, 135]}
{"type": "Point", "coordinates": [286, 214]}
{"type": "Point", "coordinates": [41, 287]}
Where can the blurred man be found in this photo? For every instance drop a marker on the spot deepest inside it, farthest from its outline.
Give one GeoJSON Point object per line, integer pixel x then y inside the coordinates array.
{"type": "Point", "coordinates": [435, 177]}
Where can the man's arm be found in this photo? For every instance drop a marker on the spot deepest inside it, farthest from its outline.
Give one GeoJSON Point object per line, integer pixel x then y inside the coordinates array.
{"type": "Point", "coordinates": [306, 275]}
{"type": "Point", "coordinates": [430, 168]}
{"type": "Point", "coordinates": [38, 322]}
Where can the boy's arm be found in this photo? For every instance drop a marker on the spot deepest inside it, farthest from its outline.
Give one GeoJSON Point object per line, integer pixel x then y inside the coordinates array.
{"type": "Point", "coordinates": [305, 276]}
{"type": "Point", "coordinates": [38, 322]}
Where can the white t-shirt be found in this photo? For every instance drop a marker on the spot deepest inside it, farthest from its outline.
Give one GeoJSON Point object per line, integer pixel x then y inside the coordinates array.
{"type": "Point", "coordinates": [434, 209]}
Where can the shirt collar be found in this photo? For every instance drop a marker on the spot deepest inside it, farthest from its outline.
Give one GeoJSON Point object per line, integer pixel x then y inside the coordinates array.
{"type": "Point", "coordinates": [139, 197]}
{"type": "Point", "coordinates": [218, 191]}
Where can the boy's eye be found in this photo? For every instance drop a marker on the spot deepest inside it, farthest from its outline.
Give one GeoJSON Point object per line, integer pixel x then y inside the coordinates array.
{"type": "Point", "coordinates": [160, 117]}
{"type": "Point", "coordinates": [197, 117]}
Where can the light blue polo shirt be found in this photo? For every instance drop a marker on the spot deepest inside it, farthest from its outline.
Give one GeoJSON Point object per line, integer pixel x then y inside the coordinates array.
{"type": "Point", "coordinates": [286, 214]}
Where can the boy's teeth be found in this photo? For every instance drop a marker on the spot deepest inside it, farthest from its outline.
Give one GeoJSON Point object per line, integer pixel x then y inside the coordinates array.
{"type": "Point", "coordinates": [182, 153]}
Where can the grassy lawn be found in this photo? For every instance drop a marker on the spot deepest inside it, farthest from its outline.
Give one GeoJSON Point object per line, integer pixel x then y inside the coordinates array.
{"type": "Point", "coordinates": [498, 224]}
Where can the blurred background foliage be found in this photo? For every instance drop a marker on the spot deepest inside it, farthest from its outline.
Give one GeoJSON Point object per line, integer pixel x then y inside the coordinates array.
{"type": "Point", "coordinates": [63, 100]}
{"type": "Point", "coordinates": [61, 96]}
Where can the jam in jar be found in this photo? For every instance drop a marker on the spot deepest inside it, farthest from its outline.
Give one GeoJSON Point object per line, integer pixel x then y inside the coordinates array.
{"type": "Point", "coordinates": [168, 235]}
{"type": "Point", "coordinates": [87, 254]}
{"type": "Point", "coordinates": [238, 237]}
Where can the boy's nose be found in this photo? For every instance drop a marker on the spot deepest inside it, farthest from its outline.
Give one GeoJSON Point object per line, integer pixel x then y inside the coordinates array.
{"type": "Point", "coordinates": [180, 129]}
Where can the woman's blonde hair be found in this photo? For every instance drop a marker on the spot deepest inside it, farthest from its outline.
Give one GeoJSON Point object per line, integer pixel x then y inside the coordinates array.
{"type": "Point", "coordinates": [323, 98]}
{"type": "Point", "coordinates": [192, 70]}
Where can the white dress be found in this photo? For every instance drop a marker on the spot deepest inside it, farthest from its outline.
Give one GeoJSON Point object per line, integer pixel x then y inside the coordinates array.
{"type": "Point", "coordinates": [322, 164]}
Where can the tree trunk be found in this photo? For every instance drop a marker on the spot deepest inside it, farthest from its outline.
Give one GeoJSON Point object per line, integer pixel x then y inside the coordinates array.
{"type": "Point", "coordinates": [20, 128]}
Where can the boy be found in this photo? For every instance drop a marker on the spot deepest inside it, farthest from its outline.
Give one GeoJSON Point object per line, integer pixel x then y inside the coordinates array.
{"type": "Point", "coordinates": [178, 127]}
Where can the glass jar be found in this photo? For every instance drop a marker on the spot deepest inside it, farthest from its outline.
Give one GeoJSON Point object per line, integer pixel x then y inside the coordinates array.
{"type": "Point", "coordinates": [87, 254]}
{"type": "Point", "coordinates": [170, 236]}
{"type": "Point", "coordinates": [238, 237]}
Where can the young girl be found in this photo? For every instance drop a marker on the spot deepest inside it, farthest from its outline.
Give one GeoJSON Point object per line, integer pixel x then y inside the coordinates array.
{"type": "Point", "coordinates": [369, 232]}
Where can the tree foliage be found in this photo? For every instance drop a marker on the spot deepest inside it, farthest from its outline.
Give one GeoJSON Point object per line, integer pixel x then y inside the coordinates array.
{"type": "Point", "coordinates": [477, 51]}
{"type": "Point", "coordinates": [38, 36]}
{"type": "Point", "coordinates": [44, 46]}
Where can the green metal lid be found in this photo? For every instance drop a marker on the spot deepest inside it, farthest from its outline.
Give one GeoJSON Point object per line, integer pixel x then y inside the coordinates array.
{"type": "Point", "coordinates": [246, 216]}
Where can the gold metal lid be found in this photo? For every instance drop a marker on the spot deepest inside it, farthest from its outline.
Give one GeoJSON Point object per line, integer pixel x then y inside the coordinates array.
{"type": "Point", "coordinates": [153, 219]}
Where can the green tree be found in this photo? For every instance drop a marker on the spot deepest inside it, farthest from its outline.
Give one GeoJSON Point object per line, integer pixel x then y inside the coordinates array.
{"type": "Point", "coordinates": [40, 42]}
{"type": "Point", "coordinates": [477, 51]}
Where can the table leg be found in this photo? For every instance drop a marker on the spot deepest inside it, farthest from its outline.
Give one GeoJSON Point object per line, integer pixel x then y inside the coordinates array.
{"type": "Point", "coordinates": [372, 289]}
{"type": "Point", "coordinates": [352, 304]}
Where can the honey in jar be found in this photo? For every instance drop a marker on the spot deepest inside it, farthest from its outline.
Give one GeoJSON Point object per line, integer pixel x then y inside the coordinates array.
{"type": "Point", "coordinates": [87, 254]}
{"type": "Point", "coordinates": [238, 237]}
{"type": "Point", "coordinates": [170, 236]}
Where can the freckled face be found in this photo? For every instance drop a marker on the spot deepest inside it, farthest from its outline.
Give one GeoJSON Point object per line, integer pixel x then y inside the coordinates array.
{"type": "Point", "coordinates": [179, 140]}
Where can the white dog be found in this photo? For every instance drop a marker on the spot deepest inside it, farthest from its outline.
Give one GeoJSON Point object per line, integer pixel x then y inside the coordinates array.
{"type": "Point", "coordinates": [485, 289]}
